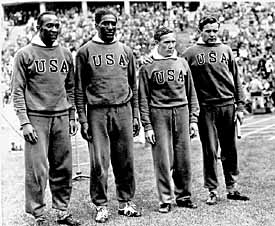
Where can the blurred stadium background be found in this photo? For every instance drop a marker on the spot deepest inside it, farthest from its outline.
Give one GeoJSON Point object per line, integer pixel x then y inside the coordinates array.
{"type": "Point", "coordinates": [248, 27]}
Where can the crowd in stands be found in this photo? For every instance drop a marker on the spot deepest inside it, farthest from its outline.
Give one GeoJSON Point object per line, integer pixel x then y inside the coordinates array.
{"type": "Point", "coordinates": [252, 39]}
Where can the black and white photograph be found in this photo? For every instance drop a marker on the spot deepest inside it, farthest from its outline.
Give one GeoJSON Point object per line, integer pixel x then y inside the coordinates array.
{"type": "Point", "coordinates": [137, 113]}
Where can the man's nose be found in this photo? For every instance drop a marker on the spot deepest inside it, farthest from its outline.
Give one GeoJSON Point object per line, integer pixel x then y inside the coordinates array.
{"type": "Point", "coordinates": [171, 45]}
{"type": "Point", "coordinates": [54, 28]}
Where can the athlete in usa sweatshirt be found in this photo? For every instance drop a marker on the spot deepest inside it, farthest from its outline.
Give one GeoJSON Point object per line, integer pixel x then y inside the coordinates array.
{"type": "Point", "coordinates": [166, 83]}
{"type": "Point", "coordinates": [105, 76]}
{"type": "Point", "coordinates": [215, 74]}
{"type": "Point", "coordinates": [44, 81]}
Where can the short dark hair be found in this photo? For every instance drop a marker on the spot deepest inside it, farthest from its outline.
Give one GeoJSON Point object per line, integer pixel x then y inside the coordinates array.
{"type": "Point", "coordinates": [40, 17]}
{"type": "Point", "coordinates": [162, 31]}
{"type": "Point", "coordinates": [102, 12]}
{"type": "Point", "coordinates": [209, 19]}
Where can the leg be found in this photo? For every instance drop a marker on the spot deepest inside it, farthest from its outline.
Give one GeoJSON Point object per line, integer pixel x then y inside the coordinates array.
{"type": "Point", "coordinates": [209, 140]}
{"type": "Point", "coordinates": [122, 152]}
{"type": "Point", "coordinates": [181, 166]}
{"type": "Point", "coordinates": [122, 159]}
{"type": "Point", "coordinates": [60, 159]}
{"type": "Point", "coordinates": [227, 140]}
{"type": "Point", "coordinates": [162, 152]}
{"type": "Point", "coordinates": [36, 167]}
{"type": "Point", "coordinates": [99, 150]}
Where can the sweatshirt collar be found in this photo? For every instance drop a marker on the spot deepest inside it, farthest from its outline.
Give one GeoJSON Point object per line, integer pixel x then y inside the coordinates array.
{"type": "Point", "coordinates": [96, 38]}
{"type": "Point", "coordinates": [37, 41]}
{"type": "Point", "coordinates": [157, 56]}
{"type": "Point", "coordinates": [201, 42]}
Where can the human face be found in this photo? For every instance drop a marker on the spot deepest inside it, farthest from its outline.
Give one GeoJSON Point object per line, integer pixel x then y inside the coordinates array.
{"type": "Point", "coordinates": [49, 29]}
{"type": "Point", "coordinates": [107, 28]}
{"type": "Point", "coordinates": [209, 33]}
{"type": "Point", "coordinates": [167, 44]}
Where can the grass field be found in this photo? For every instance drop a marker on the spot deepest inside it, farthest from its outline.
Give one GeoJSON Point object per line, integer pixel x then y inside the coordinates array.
{"type": "Point", "coordinates": [257, 179]}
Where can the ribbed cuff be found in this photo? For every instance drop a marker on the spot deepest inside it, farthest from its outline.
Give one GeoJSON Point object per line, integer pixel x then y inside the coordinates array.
{"type": "Point", "coordinates": [23, 118]}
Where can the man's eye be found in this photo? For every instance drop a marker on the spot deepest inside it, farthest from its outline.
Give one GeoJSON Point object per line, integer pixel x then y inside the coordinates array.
{"type": "Point", "coordinates": [53, 25]}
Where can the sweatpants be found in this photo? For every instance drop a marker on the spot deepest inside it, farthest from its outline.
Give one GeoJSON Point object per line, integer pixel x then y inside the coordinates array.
{"type": "Point", "coordinates": [171, 153]}
{"type": "Point", "coordinates": [49, 158]}
{"type": "Point", "coordinates": [112, 140]}
{"type": "Point", "coordinates": [217, 128]}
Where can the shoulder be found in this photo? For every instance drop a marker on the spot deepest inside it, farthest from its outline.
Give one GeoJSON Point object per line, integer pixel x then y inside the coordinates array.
{"type": "Point", "coordinates": [84, 47]}
{"type": "Point", "coordinates": [65, 51]}
{"type": "Point", "coordinates": [189, 50]}
{"type": "Point", "coordinates": [183, 61]}
{"type": "Point", "coordinates": [225, 47]}
{"type": "Point", "coordinates": [24, 51]}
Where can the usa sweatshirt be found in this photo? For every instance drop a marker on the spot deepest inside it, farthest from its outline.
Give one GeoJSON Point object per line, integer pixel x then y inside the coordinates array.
{"type": "Point", "coordinates": [43, 81]}
{"type": "Point", "coordinates": [166, 83]}
{"type": "Point", "coordinates": [215, 74]}
{"type": "Point", "coordinates": [105, 76]}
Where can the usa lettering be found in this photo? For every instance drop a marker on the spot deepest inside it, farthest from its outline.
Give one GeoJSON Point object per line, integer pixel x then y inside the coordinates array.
{"type": "Point", "coordinates": [169, 75]}
{"type": "Point", "coordinates": [211, 58]}
{"type": "Point", "coordinates": [109, 59]}
{"type": "Point", "coordinates": [53, 66]}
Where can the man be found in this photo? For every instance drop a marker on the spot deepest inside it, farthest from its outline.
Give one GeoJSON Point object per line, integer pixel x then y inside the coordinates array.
{"type": "Point", "coordinates": [169, 109]}
{"type": "Point", "coordinates": [43, 94]}
{"type": "Point", "coordinates": [219, 89]}
{"type": "Point", "coordinates": [106, 87]}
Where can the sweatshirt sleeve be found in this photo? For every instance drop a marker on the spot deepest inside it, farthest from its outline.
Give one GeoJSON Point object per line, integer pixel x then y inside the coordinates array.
{"type": "Point", "coordinates": [18, 88]}
{"type": "Point", "coordinates": [193, 103]}
{"type": "Point", "coordinates": [70, 86]}
{"type": "Point", "coordinates": [239, 95]}
{"type": "Point", "coordinates": [132, 79]}
{"type": "Point", "coordinates": [80, 99]}
{"type": "Point", "coordinates": [144, 99]}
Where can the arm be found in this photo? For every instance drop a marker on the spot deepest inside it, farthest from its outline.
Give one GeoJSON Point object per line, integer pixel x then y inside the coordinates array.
{"type": "Point", "coordinates": [239, 95]}
{"type": "Point", "coordinates": [69, 86]}
{"type": "Point", "coordinates": [19, 81]}
{"type": "Point", "coordinates": [132, 79]}
{"type": "Point", "coordinates": [80, 98]}
{"type": "Point", "coordinates": [193, 103]}
{"type": "Point", "coordinates": [144, 99]}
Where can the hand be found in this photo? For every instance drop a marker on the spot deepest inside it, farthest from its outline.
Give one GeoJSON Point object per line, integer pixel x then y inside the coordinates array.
{"type": "Point", "coordinates": [193, 130]}
{"type": "Point", "coordinates": [240, 116]}
{"type": "Point", "coordinates": [146, 60]}
{"type": "Point", "coordinates": [29, 133]}
{"type": "Point", "coordinates": [150, 136]}
{"type": "Point", "coordinates": [85, 131]}
{"type": "Point", "coordinates": [73, 127]}
{"type": "Point", "coordinates": [136, 127]}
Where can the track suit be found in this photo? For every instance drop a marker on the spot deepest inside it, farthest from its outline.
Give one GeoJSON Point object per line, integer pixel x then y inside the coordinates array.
{"type": "Point", "coordinates": [218, 88]}
{"type": "Point", "coordinates": [106, 85]}
{"type": "Point", "coordinates": [43, 95]}
{"type": "Point", "coordinates": [168, 103]}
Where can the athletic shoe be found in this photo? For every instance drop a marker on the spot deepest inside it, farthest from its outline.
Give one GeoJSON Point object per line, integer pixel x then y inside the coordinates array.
{"type": "Point", "coordinates": [212, 199]}
{"type": "Point", "coordinates": [102, 214]}
{"type": "Point", "coordinates": [41, 221]}
{"type": "Point", "coordinates": [129, 210]}
{"type": "Point", "coordinates": [67, 220]}
{"type": "Point", "coordinates": [237, 196]}
{"type": "Point", "coordinates": [187, 203]}
{"type": "Point", "coordinates": [165, 208]}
